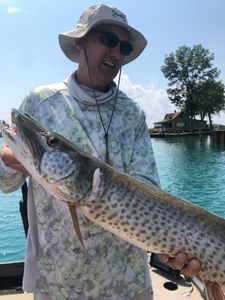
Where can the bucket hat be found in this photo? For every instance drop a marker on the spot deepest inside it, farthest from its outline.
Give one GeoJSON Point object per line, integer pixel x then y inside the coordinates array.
{"type": "Point", "coordinates": [96, 15]}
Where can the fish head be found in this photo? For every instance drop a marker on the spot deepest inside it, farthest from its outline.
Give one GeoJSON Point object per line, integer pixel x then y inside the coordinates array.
{"type": "Point", "coordinates": [53, 161]}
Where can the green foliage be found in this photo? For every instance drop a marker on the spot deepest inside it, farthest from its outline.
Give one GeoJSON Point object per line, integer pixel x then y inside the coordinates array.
{"type": "Point", "coordinates": [151, 130]}
{"type": "Point", "coordinates": [209, 96]}
{"type": "Point", "coordinates": [192, 83]}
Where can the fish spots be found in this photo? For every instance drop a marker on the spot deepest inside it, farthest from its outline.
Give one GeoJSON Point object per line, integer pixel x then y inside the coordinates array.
{"type": "Point", "coordinates": [159, 230]}
{"type": "Point", "coordinates": [124, 223]}
{"type": "Point", "coordinates": [216, 267]}
{"type": "Point", "coordinates": [112, 216]}
{"type": "Point", "coordinates": [97, 216]}
{"type": "Point", "coordinates": [172, 248]}
{"type": "Point", "coordinates": [114, 205]}
{"type": "Point", "coordinates": [98, 207]}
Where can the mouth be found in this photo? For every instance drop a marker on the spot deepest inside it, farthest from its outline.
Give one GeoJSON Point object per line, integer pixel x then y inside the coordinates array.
{"type": "Point", "coordinates": [109, 64]}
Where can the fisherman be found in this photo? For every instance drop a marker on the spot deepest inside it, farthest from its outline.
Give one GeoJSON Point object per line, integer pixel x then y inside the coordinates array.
{"type": "Point", "coordinates": [89, 109]}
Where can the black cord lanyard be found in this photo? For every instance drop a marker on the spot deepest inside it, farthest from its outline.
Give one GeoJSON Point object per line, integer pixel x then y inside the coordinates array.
{"type": "Point", "coordinates": [106, 129]}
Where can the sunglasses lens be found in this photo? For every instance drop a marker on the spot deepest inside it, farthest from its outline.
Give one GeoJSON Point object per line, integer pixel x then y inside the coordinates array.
{"type": "Point", "coordinates": [126, 48]}
{"type": "Point", "coordinates": [111, 40]}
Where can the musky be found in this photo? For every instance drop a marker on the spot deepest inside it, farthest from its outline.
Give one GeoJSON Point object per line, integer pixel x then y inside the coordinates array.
{"type": "Point", "coordinates": [30, 55]}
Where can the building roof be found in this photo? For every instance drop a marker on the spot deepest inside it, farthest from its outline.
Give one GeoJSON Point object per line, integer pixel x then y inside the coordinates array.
{"type": "Point", "coordinates": [169, 117]}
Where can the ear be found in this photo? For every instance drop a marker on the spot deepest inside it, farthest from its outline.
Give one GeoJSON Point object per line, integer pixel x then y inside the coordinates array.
{"type": "Point", "coordinates": [79, 44]}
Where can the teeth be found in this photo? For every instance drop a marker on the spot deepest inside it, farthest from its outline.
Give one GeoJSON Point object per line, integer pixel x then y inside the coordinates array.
{"type": "Point", "coordinates": [109, 64]}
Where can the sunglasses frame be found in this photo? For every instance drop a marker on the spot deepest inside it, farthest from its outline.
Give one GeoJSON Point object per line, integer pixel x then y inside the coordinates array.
{"type": "Point", "coordinates": [111, 40]}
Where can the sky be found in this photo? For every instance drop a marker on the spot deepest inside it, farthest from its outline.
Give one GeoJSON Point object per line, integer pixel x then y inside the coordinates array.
{"type": "Point", "coordinates": [30, 55]}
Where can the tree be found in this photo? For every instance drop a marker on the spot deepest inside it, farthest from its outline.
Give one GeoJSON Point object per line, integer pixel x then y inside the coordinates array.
{"type": "Point", "coordinates": [210, 98]}
{"type": "Point", "coordinates": [184, 70]}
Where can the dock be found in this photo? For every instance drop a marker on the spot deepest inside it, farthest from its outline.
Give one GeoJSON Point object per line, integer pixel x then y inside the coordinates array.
{"type": "Point", "coordinates": [218, 137]}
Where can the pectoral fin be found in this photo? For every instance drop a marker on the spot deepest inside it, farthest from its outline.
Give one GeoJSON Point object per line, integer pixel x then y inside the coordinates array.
{"type": "Point", "coordinates": [73, 211]}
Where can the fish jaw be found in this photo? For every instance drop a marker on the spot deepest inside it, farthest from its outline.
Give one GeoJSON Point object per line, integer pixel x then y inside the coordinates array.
{"type": "Point", "coordinates": [20, 150]}
{"type": "Point", "coordinates": [50, 159]}
{"type": "Point", "coordinates": [23, 154]}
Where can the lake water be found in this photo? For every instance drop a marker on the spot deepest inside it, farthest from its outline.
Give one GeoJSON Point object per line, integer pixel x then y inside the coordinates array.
{"type": "Point", "coordinates": [189, 167]}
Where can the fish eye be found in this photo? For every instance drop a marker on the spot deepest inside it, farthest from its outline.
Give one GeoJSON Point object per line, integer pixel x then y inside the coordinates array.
{"type": "Point", "coordinates": [52, 141]}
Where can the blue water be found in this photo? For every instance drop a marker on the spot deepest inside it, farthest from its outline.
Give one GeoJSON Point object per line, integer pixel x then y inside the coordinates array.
{"type": "Point", "coordinates": [192, 168]}
{"type": "Point", "coordinates": [189, 167]}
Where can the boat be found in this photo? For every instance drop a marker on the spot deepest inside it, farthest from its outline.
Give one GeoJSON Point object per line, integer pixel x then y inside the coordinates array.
{"type": "Point", "coordinates": [167, 283]}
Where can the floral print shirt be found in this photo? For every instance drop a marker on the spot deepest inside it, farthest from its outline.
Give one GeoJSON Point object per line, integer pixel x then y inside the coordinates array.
{"type": "Point", "coordinates": [56, 264]}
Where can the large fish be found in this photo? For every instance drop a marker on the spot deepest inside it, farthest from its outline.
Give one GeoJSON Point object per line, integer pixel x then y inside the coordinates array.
{"type": "Point", "coordinates": [140, 213]}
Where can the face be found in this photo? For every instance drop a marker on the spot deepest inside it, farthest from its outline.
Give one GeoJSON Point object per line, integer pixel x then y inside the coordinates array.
{"type": "Point", "coordinates": [104, 61]}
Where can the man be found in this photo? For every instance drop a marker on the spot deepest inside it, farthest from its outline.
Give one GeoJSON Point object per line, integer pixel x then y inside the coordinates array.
{"type": "Point", "coordinates": [89, 109]}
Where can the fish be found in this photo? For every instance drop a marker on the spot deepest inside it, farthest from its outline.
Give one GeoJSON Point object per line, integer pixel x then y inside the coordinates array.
{"type": "Point", "coordinates": [138, 212]}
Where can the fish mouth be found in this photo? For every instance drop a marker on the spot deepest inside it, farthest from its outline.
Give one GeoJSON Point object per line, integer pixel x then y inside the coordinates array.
{"type": "Point", "coordinates": [21, 120]}
{"type": "Point", "coordinates": [31, 133]}
{"type": "Point", "coordinates": [8, 131]}
{"type": "Point", "coordinates": [25, 125]}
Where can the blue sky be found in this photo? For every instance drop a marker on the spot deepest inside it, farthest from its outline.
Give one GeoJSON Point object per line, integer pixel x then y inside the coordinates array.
{"type": "Point", "coordinates": [30, 55]}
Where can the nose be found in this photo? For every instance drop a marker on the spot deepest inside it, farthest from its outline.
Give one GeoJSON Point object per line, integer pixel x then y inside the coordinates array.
{"type": "Point", "coordinates": [115, 51]}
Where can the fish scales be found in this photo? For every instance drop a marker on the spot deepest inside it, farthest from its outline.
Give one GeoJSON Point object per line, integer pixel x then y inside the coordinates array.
{"type": "Point", "coordinates": [157, 221]}
{"type": "Point", "coordinates": [138, 212]}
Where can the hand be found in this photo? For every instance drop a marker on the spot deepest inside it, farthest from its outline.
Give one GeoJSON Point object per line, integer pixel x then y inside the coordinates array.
{"type": "Point", "coordinates": [189, 267]}
{"type": "Point", "coordinates": [10, 160]}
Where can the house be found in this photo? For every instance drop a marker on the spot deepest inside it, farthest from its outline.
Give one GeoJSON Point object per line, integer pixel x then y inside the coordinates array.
{"type": "Point", "coordinates": [179, 122]}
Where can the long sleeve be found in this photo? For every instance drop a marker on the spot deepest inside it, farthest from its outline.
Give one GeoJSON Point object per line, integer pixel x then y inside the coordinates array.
{"type": "Point", "coordinates": [10, 180]}
{"type": "Point", "coordinates": [143, 165]}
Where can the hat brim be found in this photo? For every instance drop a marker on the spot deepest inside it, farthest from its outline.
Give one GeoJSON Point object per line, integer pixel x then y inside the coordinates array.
{"type": "Point", "coordinates": [68, 46]}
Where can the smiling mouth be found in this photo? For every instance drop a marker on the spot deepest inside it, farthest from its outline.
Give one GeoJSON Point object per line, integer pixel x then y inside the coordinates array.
{"type": "Point", "coordinates": [109, 64]}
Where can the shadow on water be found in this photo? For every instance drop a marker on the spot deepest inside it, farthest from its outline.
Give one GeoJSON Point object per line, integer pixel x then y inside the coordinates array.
{"type": "Point", "coordinates": [192, 167]}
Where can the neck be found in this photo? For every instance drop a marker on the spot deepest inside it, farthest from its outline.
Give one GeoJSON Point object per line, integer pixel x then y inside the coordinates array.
{"type": "Point", "coordinates": [87, 81]}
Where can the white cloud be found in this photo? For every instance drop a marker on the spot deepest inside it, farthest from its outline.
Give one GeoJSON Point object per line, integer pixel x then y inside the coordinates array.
{"type": "Point", "coordinates": [219, 118]}
{"type": "Point", "coordinates": [15, 10]}
{"type": "Point", "coordinates": [154, 101]}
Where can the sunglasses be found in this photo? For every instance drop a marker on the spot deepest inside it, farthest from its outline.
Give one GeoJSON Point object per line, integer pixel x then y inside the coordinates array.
{"type": "Point", "coordinates": [111, 40]}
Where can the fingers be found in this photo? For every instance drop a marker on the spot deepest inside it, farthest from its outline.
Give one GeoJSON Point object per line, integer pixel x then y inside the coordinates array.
{"type": "Point", "coordinates": [6, 154]}
{"type": "Point", "coordinates": [164, 257]}
{"type": "Point", "coordinates": [192, 268]}
{"type": "Point", "coordinates": [189, 267]}
{"type": "Point", "coordinates": [9, 159]}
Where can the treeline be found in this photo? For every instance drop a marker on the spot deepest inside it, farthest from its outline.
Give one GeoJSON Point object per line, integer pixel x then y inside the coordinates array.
{"type": "Point", "coordinates": [193, 83]}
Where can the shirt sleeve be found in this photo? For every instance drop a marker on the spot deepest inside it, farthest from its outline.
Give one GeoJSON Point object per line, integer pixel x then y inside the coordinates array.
{"type": "Point", "coordinates": [10, 179]}
{"type": "Point", "coordinates": [143, 165]}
